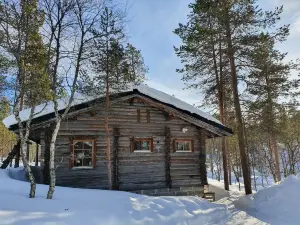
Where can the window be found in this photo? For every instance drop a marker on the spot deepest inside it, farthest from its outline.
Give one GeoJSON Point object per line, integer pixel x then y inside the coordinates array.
{"type": "Point", "coordinates": [141, 145]}
{"type": "Point", "coordinates": [183, 146]}
{"type": "Point", "coordinates": [83, 152]}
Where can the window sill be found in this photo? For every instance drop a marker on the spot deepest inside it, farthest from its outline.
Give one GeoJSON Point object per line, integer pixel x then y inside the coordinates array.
{"type": "Point", "coordinates": [142, 151]}
{"type": "Point", "coordinates": [82, 168]}
{"type": "Point", "coordinates": [182, 151]}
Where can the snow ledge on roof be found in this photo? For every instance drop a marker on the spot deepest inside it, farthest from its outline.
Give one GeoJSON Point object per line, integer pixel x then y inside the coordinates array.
{"type": "Point", "coordinates": [48, 108]}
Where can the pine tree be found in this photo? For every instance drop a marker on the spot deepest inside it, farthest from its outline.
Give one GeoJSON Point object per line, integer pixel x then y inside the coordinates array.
{"type": "Point", "coordinates": [239, 25]}
{"type": "Point", "coordinates": [266, 84]}
{"type": "Point", "coordinates": [205, 62]}
{"type": "Point", "coordinates": [114, 66]}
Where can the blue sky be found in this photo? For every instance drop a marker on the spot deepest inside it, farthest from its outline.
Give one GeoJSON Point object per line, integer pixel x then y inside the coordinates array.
{"type": "Point", "coordinates": [150, 28]}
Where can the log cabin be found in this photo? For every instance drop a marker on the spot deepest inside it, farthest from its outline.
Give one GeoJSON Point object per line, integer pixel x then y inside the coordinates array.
{"type": "Point", "coordinates": [157, 143]}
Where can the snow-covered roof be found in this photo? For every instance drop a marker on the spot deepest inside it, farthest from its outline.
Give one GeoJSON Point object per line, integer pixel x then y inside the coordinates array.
{"type": "Point", "coordinates": [48, 108]}
{"type": "Point", "coordinates": [44, 109]}
{"type": "Point", "coordinates": [168, 99]}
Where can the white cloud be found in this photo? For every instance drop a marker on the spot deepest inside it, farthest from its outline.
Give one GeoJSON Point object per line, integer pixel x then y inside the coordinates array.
{"type": "Point", "coordinates": [295, 28]}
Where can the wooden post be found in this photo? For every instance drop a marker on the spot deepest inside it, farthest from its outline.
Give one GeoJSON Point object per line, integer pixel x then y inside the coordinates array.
{"type": "Point", "coordinates": [168, 157]}
{"type": "Point", "coordinates": [27, 152]}
{"type": "Point", "coordinates": [37, 155]}
{"type": "Point", "coordinates": [18, 154]}
{"type": "Point", "coordinates": [115, 160]}
{"type": "Point", "coordinates": [45, 141]}
{"type": "Point", "coordinates": [202, 157]}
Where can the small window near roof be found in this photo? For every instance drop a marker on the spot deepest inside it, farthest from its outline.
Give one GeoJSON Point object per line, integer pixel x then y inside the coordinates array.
{"type": "Point", "coordinates": [83, 151]}
{"type": "Point", "coordinates": [141, 145]}
{"type": "Point", "coordinates": [183, 146]}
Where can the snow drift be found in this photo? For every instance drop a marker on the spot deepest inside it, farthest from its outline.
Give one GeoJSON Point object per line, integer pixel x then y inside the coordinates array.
{"type": "Point", "coordinates": [72, 206]}
{"type": "Point", "coordinates": [278, 204]}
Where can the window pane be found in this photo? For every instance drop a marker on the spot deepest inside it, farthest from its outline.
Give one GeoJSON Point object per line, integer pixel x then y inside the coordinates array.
{"type": "Point", "coordinates": [145, 145]}
{"type": "Point", "coordinates": [83, 151]}
{"type": "Point", "coordinates": [137, 145]}
{"type": "Point", "coordinates": [79, 154]}
{"type": "Point", "coordinates": [142, 145]}
{"type": "Point", "coordinates": [78, 162]}
{"type": "Point", "coordinates": [187, 146]}
{"type": "Point", "coordinates": [87, 153]}
{"type": "Point", "coordinates": [78, 145]}
{"type": "Point", "coordinates": [87, 162]}
{"type": "Point", "coordinates": [88, 145]}
{"type": "Point", "coordinates": [179, 146]}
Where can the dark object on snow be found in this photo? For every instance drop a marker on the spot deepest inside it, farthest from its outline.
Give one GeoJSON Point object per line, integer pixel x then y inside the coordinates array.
{"type": "Point", "coordinates": [11, 155]}
{"type": "Point", "coordinates": [20, 174]}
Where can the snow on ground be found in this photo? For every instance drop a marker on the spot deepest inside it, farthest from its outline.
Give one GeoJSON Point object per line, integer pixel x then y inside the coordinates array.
{"type": "Point", "coordinates": [72, 206]}
{"type": "Point", "coordinates": [276, 205]}
{"type": "Point", "coordinates": [238, 217]}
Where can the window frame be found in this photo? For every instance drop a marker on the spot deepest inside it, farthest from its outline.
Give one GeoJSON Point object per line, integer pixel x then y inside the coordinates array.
{"type": "Point", "coordinates": [190, 141]}
{"type": "Point", "coordinates": [72, 158]}
{"type": "Point", "coordinates": [133, 140]}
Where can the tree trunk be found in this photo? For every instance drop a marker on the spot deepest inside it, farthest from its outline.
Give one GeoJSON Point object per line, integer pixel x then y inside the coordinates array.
{"type": "Point", "coordinates": [52, 177]}
{"type": "Point", "coordinates": [238, 112]}
{"type": "Point", "coordinates": [271, 160]}
{"type": "Point", "coordinates": [37, 155]}
{"type": "Point", "coordinates": [229, 167]}
{"type": "Point", "coordinates": [28, 169]}
{"type": "Point", "coordinates": [108, 135]}
{"type": "Point", "coordinates": [276, 157]}
{"type": "Point", "coordinates": [17, 157]}
{"type": "Point", "coordinates": [220, 88]}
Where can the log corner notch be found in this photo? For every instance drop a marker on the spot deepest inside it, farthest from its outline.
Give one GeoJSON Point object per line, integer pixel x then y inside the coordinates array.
{"type": "Point", "coordinates": [115, 160]}
{"type": "Point", "coordinates": [202, 136]}
{"type": "Point", "coordinates": [168, 157]}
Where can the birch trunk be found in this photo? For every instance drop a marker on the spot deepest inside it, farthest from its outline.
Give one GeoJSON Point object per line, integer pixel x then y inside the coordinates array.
{"type": "Point", "coordinates": [52, 176]}
{"type": "Point", "coordinates": [31, 179]}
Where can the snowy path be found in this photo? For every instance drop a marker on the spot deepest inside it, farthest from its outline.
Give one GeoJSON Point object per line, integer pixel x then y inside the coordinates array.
{"type": "Point", "coordinates": [219, 191]}
{"type": "Point", "coordinates": [238, 217]}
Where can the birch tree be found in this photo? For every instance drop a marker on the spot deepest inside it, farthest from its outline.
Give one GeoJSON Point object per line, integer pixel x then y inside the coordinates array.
{"type": "Point", "coordinates": [20, 22]}
{"type": "Point", "coordinates": [76, 22]}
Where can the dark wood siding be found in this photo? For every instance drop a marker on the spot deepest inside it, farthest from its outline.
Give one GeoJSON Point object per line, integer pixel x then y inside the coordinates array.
{"type": "Point", "coordinates": [134, 170]}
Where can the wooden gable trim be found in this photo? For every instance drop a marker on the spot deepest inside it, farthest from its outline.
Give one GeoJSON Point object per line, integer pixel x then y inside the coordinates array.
{"type": "Point", "coordinates": [173, 112]}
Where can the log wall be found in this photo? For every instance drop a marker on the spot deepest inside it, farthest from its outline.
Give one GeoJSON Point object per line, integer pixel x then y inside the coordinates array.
{"type": "Point", "coordinates": [131, 170]}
